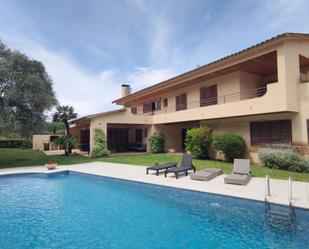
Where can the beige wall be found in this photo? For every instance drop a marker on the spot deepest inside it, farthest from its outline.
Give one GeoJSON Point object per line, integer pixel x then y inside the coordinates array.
{"type": "Point", "coordinates": [39, 140]}
{"type": "Point", "coordinates": [173, 135]}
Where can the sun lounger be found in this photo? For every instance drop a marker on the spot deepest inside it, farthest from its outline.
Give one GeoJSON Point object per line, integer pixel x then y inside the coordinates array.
{"type": "Point", "coordinates": [241, 172]}
{"type": "Point", "coordinates": [206, 174]}
{"type": "Point", "coordinates": [158, 168]}
{"type": "Point", "coordinates": [185, 166]}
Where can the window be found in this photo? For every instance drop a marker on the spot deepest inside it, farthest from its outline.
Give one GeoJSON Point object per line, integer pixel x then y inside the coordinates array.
{"type": "Point", "coordinates": [181, 102]}
{"type": "Point", "coordinates": [165, 102]}
{"type": "Point", "coordinates": [271, 132]}
{"type": "Point", "coordinates": [134, 110]}
{"type": "Point", "coordinates": [138, 135]}
{"type": "Point", "coordinates": [152, 106]}
{"type": "Point", "coordinates": [208, 95]}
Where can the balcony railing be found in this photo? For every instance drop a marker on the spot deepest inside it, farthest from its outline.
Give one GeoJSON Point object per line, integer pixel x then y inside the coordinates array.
{"type": "Point", "coordinates": [228, 98]}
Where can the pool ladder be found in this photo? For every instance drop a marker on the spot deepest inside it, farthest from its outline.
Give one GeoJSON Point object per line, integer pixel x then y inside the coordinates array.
{"type": "Point", "coordinates": [279, 219]}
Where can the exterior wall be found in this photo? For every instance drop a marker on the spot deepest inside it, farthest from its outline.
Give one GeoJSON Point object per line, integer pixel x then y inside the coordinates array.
{"type": "Point", "coordinates": [39, 140]}
{"type": "Point", "coordinates": [299, 121]}
{"type": "Point", "coordinates": [173, 135]}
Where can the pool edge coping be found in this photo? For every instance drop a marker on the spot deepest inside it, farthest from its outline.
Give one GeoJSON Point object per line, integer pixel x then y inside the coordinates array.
{"type": "Point", "coordinates": [67, 171]}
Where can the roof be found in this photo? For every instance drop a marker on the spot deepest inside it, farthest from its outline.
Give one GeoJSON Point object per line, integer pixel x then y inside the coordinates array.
{"type": "Point", "coordinates": [270, 41]}
{"type": "Point", "coordinates": [88, 117]}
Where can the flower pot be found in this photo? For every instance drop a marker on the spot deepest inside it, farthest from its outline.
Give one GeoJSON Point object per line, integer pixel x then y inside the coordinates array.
{"type": "Point", "coordinates": [51, 166]}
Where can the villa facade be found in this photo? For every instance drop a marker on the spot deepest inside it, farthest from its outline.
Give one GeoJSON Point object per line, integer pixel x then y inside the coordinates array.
{"type": "Point", "coordinates": [261, 92]}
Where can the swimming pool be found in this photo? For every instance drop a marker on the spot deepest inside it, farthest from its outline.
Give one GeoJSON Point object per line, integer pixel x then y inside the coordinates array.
{"type": "Point", "coordinates": [74, 210]}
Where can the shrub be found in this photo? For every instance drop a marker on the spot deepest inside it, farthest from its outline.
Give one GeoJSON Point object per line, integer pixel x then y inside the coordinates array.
{"type": "Point", "coordinates": [16, 143]}
{"type": "Point", "coordinates": [286, 159]}
{"type": "Point", "coordinates": [65, 141]}
{"type": "Point", "coordinates": [231, 144]}
{"type": "Point", "coordinates": [100, 146]}
{"type": "Point", "coordinates": [156, 142]}
{"type": "Point", "coordinates": [198, 142]}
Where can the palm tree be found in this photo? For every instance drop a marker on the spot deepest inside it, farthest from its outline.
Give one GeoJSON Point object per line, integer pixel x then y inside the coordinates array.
{"type": "Point", "coordinates": [64, 113]}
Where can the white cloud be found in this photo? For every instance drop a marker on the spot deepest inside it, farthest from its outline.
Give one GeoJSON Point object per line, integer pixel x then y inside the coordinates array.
{"type": "Point", "coordinates": [144, 76]}
{"type": "Point", "coordinates": [87, 92]}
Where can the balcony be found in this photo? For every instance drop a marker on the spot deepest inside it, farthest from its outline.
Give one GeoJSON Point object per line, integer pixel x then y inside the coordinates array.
{"type": "Point", "coordinates": [219, 100]}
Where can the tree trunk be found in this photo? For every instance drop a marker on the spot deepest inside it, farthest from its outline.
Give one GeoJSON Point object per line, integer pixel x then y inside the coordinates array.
{"type": "Point", "coordinates": [68, 150]}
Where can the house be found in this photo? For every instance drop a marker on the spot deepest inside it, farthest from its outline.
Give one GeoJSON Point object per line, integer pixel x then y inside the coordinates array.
{"type": "Point", "coordinates": [261, 92]}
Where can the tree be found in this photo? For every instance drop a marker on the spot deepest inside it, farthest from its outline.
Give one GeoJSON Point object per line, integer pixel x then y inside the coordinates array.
{"type": "Point", "coordinates": [64, 113]}
{"type": "Point", "coordinates": [26, 93]}
{"type": "Point", "coordinates": [54, 127]}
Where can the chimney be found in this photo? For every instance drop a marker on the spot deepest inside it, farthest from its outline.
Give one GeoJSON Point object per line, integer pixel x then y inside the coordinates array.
{"type": "Point", "coordinates": [125, 90]}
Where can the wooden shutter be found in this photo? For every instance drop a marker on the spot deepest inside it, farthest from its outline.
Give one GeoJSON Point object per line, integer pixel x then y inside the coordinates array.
{"type": "Point", "coordinates": [271, 132]}
{"type": "Point", "coordinates": [181, 102]}
{"type": "Point", "coordinates": [208, 95]}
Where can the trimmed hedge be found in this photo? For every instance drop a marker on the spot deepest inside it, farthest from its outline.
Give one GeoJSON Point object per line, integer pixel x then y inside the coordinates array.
{"type": "Point", "coordinates": [16, 143]}
{"type": "Point", "coordinates": [231, 144]}
{"type": "Point", "coordinates": [286, 159]}
{"type": "Point", "coordinates": [198, 142]}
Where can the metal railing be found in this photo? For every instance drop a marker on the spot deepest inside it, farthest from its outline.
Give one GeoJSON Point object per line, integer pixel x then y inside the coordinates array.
{"type": "Point", "coordinates": [228, 98]}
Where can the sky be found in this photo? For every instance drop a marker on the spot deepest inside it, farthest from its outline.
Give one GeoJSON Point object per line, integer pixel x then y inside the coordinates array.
{"type": "Point", "coordinates": [90, 48]}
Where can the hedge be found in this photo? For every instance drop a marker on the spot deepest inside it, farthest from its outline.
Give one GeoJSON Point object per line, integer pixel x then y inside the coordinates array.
{"type": "Point", "coordinates": [156, 142]}
{"type": "Point", "coordinates": [16, 143]}
{"type": "Point", "coordinates": [286, 159]}
{"type": "Point", "coordinates": [231, 144]}
{"type": "Point", "coordinates": [198, 142]}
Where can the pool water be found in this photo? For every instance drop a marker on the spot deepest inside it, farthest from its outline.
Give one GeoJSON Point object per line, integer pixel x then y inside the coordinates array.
{"type": "Point", "coordinates": [76, 210]}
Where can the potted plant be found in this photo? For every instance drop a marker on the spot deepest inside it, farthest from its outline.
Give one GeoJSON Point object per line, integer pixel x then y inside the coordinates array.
{"type": "Point", "coordinates": [51, 165]}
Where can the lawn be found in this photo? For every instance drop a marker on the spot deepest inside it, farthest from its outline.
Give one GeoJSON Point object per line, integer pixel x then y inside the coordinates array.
{"type": "Point", "coordinates": [18, 158]}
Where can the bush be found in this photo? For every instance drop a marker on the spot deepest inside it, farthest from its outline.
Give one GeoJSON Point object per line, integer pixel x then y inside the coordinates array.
{"type": "Point", "coordinates": [231, 144]}
{"type": "Point", "coordinates": [100, 146]}
{"type": "Point", "coordinates": [16, 143]}
{"type": "Point", "coordinates": [156, 142]}
{"type": "Point", "coordinates": [65, 140]}
{"type": "Point", "coordinates": [284, 159]}
{"type": "Point", "coordinates": [198, 142]}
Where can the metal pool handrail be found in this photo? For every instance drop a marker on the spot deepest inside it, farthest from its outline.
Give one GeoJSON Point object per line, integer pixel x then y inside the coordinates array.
{"type": "Point", "coordinates": [267, 187]}
{"type": "Point", "coordinates": [290, 195]}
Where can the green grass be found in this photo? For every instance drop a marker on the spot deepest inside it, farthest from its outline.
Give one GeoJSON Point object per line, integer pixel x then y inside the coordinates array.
{"type": "Point", "coordinates": [18, 158]}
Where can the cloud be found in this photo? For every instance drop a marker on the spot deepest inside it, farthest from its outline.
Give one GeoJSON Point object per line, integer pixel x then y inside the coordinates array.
{"type": "Point", "coordinates": [137, 42]}
{"type": "Point", "coordinates": [74, 85]}
{"type": "Point", "coordinates": [143, 77]}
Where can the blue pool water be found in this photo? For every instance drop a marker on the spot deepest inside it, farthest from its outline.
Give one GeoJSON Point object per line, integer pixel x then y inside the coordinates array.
{"type": "Point", "coordinates": [83, 211]}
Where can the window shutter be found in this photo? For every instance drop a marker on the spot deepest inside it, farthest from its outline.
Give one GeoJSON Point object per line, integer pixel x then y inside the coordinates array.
{"type": "Point", "coordinates": [271, 132]}
{"type": "Point", "coordinates": [177, 103]}
{"type": "Point", "coordinates": [208, 95]}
